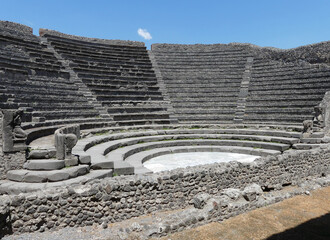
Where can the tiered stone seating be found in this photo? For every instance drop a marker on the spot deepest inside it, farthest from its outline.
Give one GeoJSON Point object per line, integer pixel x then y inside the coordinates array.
{"type": "Point", "coordinates": [285, 93]}
{"type": "Point", "coordinates": [202, 81]}
{"type": "Point", "coordinates": [125, 148]}
{"type": "Point", "coordinates": [32, 77]}
{"type": "Point", "coordinates": [118, 73]}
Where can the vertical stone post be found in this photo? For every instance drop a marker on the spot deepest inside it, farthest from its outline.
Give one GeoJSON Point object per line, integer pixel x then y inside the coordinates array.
{"type": "Point", "coordinates": [7, 130]}
{"type": "Point", "coordinates": [325, 104]}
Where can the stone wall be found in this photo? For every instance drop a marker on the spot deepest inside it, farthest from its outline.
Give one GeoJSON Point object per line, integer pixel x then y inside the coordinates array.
{"type": "Point", "coordinates": [11, 161]}
{"type": "Point", "coordinates": [317, 53]}
{"type": "Point", "coordinates": [16, 27]}
{"type": "Point", "coordinates": [313, 53]}
{"type": "Point", "coordinates": [165, 47]}
{"type": "Point", "coordinates": [119, 198]}
{"type": "Point", "coordinates": [43, 32]}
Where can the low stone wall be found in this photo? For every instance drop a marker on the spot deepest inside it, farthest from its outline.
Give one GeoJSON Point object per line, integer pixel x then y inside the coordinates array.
{"type": "Point", "coordinates": [119, 198]}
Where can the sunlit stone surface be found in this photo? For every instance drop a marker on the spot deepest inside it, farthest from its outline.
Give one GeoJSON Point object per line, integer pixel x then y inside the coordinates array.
{"type": "Point", "coordinates": [182, 160]}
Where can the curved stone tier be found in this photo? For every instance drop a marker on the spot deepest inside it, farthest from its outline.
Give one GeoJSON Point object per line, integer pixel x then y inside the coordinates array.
{"type": "Point", "coordinates": [111, 150]}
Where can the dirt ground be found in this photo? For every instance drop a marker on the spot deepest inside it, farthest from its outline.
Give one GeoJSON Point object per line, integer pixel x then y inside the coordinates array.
{"type": "Point", "coordinates": [298, 218]}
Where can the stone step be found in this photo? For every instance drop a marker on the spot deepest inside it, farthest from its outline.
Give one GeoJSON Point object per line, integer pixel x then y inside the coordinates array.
{"type": "Point", "coordinates": [47, 176]}
{"type": "Point", "coordinates": [306, 146]}
{"type": "Point", "coordinates": [12, 187]}
{"type": "Point", "coordinates": [311, 140]}
{"type": "Point", "coordinates": [44, 164]}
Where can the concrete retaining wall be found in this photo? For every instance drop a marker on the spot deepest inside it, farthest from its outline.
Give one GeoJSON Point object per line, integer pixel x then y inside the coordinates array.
{"type": "Point", "coordinates": [119, 198]}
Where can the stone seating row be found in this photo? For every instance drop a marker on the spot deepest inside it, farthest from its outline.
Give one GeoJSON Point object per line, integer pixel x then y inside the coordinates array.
{"type": "Point", "coordinates": [76, 58]}
{"type": "Point", "coordinates": [136, 109]}
{"type": "Point", "coordinates": [205, 104]}
{"type": "Point", "coordinates": [126, 80]}
{"type": "Point", "coordinates": [111, 65]}
{"type": "Point", "coordinates": [132, 103]}
{"type": "Point", "coordinates": [26, 88]}
{"type": "Point", "coordinates": [34, 82]}
{"type": "Point", "coordinates": [188, 64]}
{"type": "Point", "coordinates": [203, 80]}
{"type": "Point", "coordinates": [183, 90]}
{"type": "Point", "coordinates": [275, 92]}
{"type": "Point", "coordinates": [276, 118]}
{"type": "Point", "coordinates": [12, 187]}
{"type": "Point", "coordinates": [39, 71]}
{"type": "Point", "coordinates": [120, 76]}
{"type": "Point", "coordinates": [121, 52]}
{"type": "Point", "coordinates": [108, 73]}
{"type": "Point", "coordinates": [202, 54]}
{"type": "Point", "coordinates": [62, 114]}
{"type": "Point", "coordinates": [100, 54]}
{"type": "Point", "coordinates": [118, 92]}
{"type": "Point", "coordinates": [209, 94]}
{"type": "Point", "coordinates": [28, 63]}
{"type": "Point", "coordinates": [141, 115]}
{"type": "Point", "coordinates": [40, 129]}
{"type": "Point", "coordinates": [321, 83]}
{"type": "Point", "coordinates": [129, 87]}
{"type": "Point", "coordinates": [38, 54]}
{"type": "Point", "coordinates": [207, 72]}
{"type": "Point", "coordinates": [282, 104]}
{"type": "Point", "coordinates": [85, 43]}
{"type": "Point", "coordinates": [127, 98]}
{"type": "Point", "coordinates": [186, 88]}
{"type": "Point", "coordinates": [121, 81]}
{"type": "Point", "coordinates": [222, 118]}
{"type": "Point", "coordinates": [205, 98]}
{"type": "Point", "coordinates": [92, 45]}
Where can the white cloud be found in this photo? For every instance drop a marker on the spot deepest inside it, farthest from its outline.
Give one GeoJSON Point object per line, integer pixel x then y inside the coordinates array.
{"type": "Point", "coordinates": [144, 33]}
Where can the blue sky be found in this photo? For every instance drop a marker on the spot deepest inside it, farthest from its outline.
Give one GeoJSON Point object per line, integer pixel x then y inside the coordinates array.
{"type": "Point", "coordinates": [277, 23]}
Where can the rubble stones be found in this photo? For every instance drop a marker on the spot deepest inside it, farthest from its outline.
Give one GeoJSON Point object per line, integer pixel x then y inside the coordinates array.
{"type": "Point", "coordinates": [251, 192]}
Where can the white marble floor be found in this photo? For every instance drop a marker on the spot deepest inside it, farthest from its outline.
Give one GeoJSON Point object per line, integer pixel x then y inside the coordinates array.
{"type": "Point", "coordinates": [182, 160]}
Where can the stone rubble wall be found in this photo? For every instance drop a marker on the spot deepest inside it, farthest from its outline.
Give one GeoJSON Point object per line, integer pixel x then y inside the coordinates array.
{"type": "Point", "coordinates": [11, 161]}
{"type": "Point", "coordinates": [16, 27]}
{"type": "Point", "coordinates": [119, 198]}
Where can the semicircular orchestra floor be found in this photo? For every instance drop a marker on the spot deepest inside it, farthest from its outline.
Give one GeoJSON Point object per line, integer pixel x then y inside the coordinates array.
{"type": "Point", "coordinates": [181, 160]}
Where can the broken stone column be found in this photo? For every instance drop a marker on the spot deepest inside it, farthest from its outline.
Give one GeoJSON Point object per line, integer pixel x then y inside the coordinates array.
{"type": "Point", "coordinates": [13, 136]}
{"type": "Point", "coordinates": [65, 139]}
{"type": "Point", "coordinates": [308, 128]}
